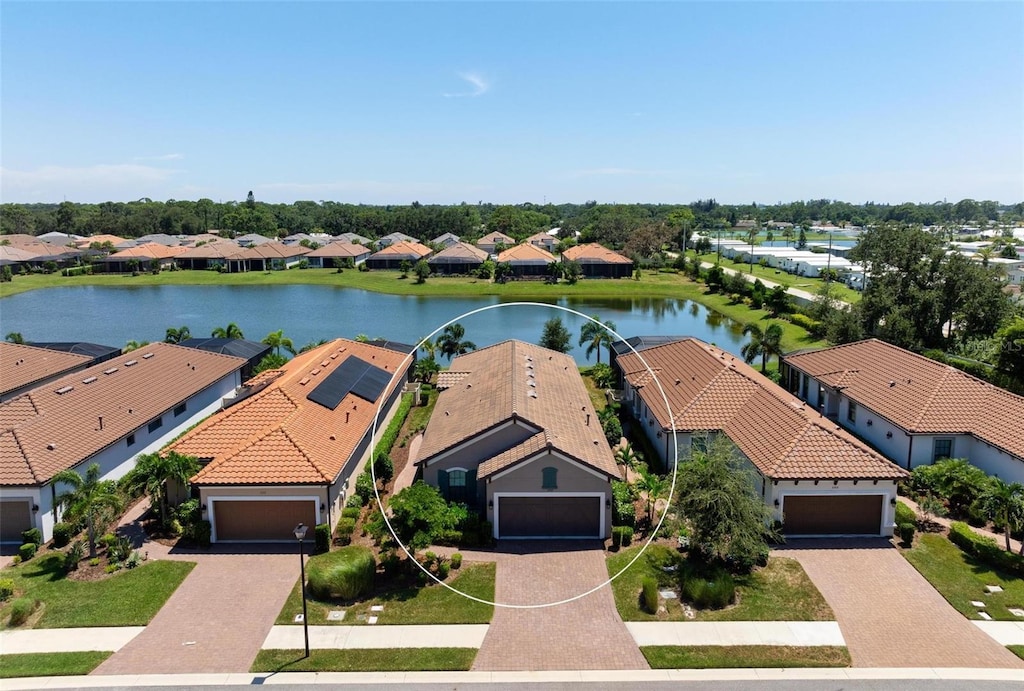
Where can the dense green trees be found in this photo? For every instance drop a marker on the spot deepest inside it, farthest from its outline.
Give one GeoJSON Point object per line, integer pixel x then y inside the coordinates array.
{"type": "Point", "coordinates": [87, 499]}
{"type": "Point", "coordinates": [451, 341]}
{"type": "Point", "coordinates": [556, 336]}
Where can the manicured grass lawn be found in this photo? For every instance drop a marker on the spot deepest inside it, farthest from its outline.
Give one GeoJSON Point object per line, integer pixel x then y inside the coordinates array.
{"type": "Point", "coordinates": [725, 656]}
{"type": "Point", "coordinates": [50, 664]}
{"type": "Point", "coordinates": [127, 598]}
{"type": "Point", "coordinates": [781, 591]}
{"type": "Point", "coordinates": [804, 283]}
{"type": "Point", "coordinates": [1017, 650]}
{"type": "Point", "coordinates": [433, 604]}
{"type": "Point", "coordinates": [367, 660]}
{"type": "Point", "coordinates": [597, 397]}
{"type": "Point", "coordinates": [420, 415]}
{"type": "Point", "coordinates": [960, 578]}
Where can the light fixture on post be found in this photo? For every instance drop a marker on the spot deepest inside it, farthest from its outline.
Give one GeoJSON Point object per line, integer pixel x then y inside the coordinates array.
{"type": "Point", "coordinates": [300, 535]}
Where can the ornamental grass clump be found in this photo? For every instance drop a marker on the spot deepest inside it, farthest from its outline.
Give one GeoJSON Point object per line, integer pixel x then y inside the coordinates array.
{"type": "Point", "coordinates": [344, 574]}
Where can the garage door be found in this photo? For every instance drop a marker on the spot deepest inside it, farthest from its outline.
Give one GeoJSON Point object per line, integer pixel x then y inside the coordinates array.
{"type": "Point", "coordinates": [851, 514]}
{"type": "Point", "coordinates": [15, 518]}
{"type": "Point", "coordinates": [549, 516]}
{"type": "Point", "coordinates": [262, 520]}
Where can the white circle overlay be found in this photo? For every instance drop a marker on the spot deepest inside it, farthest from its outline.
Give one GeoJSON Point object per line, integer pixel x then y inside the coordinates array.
{"type": "Point", "coordinates": [654, 531]}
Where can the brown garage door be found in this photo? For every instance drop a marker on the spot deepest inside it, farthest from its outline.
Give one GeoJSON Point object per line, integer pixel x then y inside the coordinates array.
{"type": "Point", "coordinates": [262, 520]}
{"type": "Point", "coordinates": [15, 518]}
{"type": "Point", "coordinates": [850, 514]}
{"type": "Point", "coordinates": [550, 516]}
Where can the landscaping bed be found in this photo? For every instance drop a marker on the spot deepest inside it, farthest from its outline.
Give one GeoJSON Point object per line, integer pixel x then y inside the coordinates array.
{"type": "Point", "coordinates": [736, 656]}
{"type": "Point", "coordinates": [780, 591]}
{"type": "Point", "coordinates": [50, 664]}
{"type": "Point", "coordinates": [366, 660]}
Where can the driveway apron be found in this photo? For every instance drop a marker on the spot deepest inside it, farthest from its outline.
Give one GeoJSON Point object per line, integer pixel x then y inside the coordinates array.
{"type": "Point", "coordinates": [889, 614]}
{"type": "Point", "coordinates": [216, 620]}
{"type": "Point", "coordinates": [583, 634]}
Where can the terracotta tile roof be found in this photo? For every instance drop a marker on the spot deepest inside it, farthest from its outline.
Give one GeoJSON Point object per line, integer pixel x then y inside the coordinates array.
{"type": "Point", "coordinates": [495, 238]}
{"type": "Point", "coordinates": [44, 432]}
{"type": "Point", "coordinates": [460, 251]}
{"type": "Point", "coordinates": [16, 254]}
{"type": "Point", "coordinates": [340, 249]}
{"type": "Point", "coordinates": [221, 249]}
{"type": "Point", "coordinates": [149, 250]}
{"type": "Point", "coordinates": [403, 249]}
{"type": "Point", "coordinates": [594, 253]}
{"type": "Point", "coordinates": [270, 250]}
{"type": "Point", "coordinates": [21, 365]}
{"type": "Point", "coordinates": [918, 394]}
{"type": "Point", "coordinates": [539, 387]}
{"type": "Point", "coordinates": [526, 253]}
{"type": "Point", "coordinates": [277, 435]}
{"type": "Point", "coordinates": [711, 390]}
{"type": "Point", "coordinates": [112, 239]}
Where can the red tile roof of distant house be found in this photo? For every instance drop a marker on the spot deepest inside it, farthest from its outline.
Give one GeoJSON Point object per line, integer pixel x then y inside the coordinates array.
{"type": "Point", "coordinates": [340, 249]}
{"type": "Point", "coordinates": [403, 249]}
{"type": "Point", "coordinates": [277, 435]}
{"type": "Point", "coordinates": [526, 253]}
{"type": "Point", "coordinates": [460, 251]}
{"type": "Point", "coordinates": [918, 394]}
{"type": "Point", "coordinates": [495, 238]}
{"type": "Point", "coordinates": [593, 253]}
{"type": "Point", "coordinates": [150, 250]}
{"type": "Point", "coordinates": [21, 365]}
{"type": "Point", "coordinates": [709, 389]}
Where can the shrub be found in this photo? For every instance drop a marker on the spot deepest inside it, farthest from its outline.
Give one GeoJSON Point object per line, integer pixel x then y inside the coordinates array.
{"type": "Point", "coordinates": [612, 429]}
{"type": "Point", "coordinates": [616, 538]}
{"type": "Point", "coordinates": [27, 551]}
{"type": "Point", "coordinates": [111, 568]}
{"type": "Point", "coordinates": [906, 532]}
{"type": "Point", "coordinates": [133, 560]}
{"type": "Point", "coordinates": [323, 537]}
{"type": "Point", "coordinates": [364, 487]}
{"type": "Point", "coordinates": [120, 550]}
{"type": "Point", "coordinates": [985, 549]}
{"type": "Point", "coordinates": [354, 502]}
{"type": "Point", "coordinates": [74, 555]}
{"type": "Point", "coordinates": [905, 514]}
{"type": "Point", "coordinates": [62, 534]}
{"type": "Point", "coordinates": [203, 531]}
{"type": "Point", "coordinates": [343, 574]}
{"type": "Point", "coordinates": [351, 512]}
{"type": "Point", "coordinates": [457, 560]}
{"type": "Point", "coordinates": [627, 536]}
{"type": "Point", "coordinates": [6, 588]}
{"type": "Point", "coordinates": [813, 326]}
{"type": "Point", "coordinates": [707, 587]}
{"type": "Point", "coordinates": [95, 561]}
{"type": "Point", "coordinates": [33, 536]}
{"type": "Point", "coordinates": [649, 595]}
{"type": "Point", "coordinates": [383, 468]}
{"type": "Point", "coordinates": [443, 570]}
{"type": "Point", "coordinates": [343, 531]}
{"type": "Point", "coordinates": [108, 540]}
{"type": "Point", "coordinates": [21, 610]}
{"type": "Point", "coordinates": [623, 511]}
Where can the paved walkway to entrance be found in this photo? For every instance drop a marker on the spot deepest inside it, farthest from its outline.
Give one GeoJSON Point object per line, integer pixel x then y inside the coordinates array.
{"type": "Point", "coordinates": [218, 617]}
{"type": "Point", "coordinates": [889, 614]}
{"type": "Point", "coordinates": [583, 634]}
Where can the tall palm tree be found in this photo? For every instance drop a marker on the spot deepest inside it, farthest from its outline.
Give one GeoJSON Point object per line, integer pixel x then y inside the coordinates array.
{"type": "Point", "coordinates": [627, 456]}
{"type": "Point", "coordinates": [277, 340]}
{"type": "Point", "coordinates": [765, 343]}
{"type": "Point", "coordinates": [595, 334]}
{"type": "Point", "coordinates": [151, 473]}
{"type": "Point", "coordinates": [430, 348]}
{"type": "Point", "coordinates": [87, 499]}
{"type": "Point", "coordinates": [230, 331]}
{"type": "Point", "coordinates": [1004, 504]}
{"type": "Point", "coordinates": [177, 335]}
{"type": "Point", "coordinates": [450, 341]}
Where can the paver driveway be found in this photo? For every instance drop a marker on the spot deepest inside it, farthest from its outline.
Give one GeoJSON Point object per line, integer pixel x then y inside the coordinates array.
{"type": "Point", "coordinates": [583, 634]}
{"type": "Point", "coordinates": [889, 614]}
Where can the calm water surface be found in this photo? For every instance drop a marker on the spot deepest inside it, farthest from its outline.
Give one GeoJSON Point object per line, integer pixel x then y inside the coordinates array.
{"type": "Point", "coordinates": [113, 316]}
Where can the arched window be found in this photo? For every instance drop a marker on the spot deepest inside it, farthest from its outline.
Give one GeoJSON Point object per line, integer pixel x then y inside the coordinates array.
{"type": "Point", "coordinates": [549, 478]}
{"type": "Point", "coordinates": [456, 478]}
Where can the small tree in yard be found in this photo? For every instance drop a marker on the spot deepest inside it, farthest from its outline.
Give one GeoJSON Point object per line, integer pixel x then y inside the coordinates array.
{"type": "Point", "coordinates": [555, 336]}
{"type": "Point", "coordinates": [729, 521]}
{"type": "Point", "coordinates": [655, 487]}
{"type": "Point", "coordinates": [422, 270]}
{"type": "Point", "coordinates": [151, 473]}
{"type": "Point", "coordinates": [1003, 504]}
{"type": "Point", "coordinates": [88, 499]}
{"type": "Point", "coordinates": [612, 429]}
{"type": "Point", "coordinates": [420, 514]}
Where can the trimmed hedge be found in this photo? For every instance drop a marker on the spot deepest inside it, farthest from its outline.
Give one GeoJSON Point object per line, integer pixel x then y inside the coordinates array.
{"type": "Point", "coordinates": [622, 536]}
{"type": "Point", "coordinates": [27, 551]}
{"type": "Point", "coordinates": [344, 574]}
{"type": "Point", "coordinates": [22, 609]}
{"type": "Point", "coordinates": [62, 534]}
{"type": "Point", "coordinates": [33, 536]}
{"type": "Point", "coordinates": [649, 595]}
{"type": "Point", "coordinates": [906, 532]}
{"type": "Point", "coordinates": [905, 514]}
{"type": "Point", "coordinates": [985, 549]}
{"type": "Point", "coordinates": [390, 435]}
{"type": "Point", "coordinates": [322, 532]}
{"type": "Point", "coordinates": [351, 512]}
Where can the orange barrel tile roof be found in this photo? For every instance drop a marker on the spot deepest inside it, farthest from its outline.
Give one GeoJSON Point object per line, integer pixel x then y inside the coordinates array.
{"type": "Point", "coordinates": [21, 365]}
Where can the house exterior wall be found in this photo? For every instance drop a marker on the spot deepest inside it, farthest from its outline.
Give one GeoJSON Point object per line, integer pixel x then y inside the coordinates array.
{"type": "Point", "coordinates": [662, 440]}
{"type": "Point", "coordinates": [479, 449]}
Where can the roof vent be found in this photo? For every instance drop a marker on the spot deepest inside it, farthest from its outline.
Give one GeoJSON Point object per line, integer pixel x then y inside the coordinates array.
{"type": "Point", "coordinates": [147, 356]}
{"type": "Point", "coordinates": [315, 371]}
{"type": "Point", "coordinates": [891, 383]}
{"type": "Point", "coordinates": [532, 394]}
{"type": "Point", "coordinates": [325, 363]}
{"type": "Point", "coordinates": [65, 389]}
{"type": "Point", "coordinates": [110, 371]}
{"type": "Point", "coordinates": [303, 381]}
{"type": "Point", "coordinates": [679, 381]}
{"type": "Point", "coordinates": [51, 446]}
{"type": "Point", "coordinates": [89, 380]}
{"type": "Point", "coordinates": [131, 362]}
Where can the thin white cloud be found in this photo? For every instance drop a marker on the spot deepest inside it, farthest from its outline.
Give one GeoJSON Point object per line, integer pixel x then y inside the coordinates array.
{"type": "Point", "coordinates": [164, 157]}
{"type": "Point", "coordinates": [479, 83]}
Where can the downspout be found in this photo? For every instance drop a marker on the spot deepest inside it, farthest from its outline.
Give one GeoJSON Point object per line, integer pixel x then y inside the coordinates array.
{"type": "Point", "coordinates": [910, 449]}
{"type": "Point", "coordinates": [330, 504]}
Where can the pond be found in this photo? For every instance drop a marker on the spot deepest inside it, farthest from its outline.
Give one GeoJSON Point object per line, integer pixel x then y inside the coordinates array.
{"type": "Point", "coordinates": [114, 316]}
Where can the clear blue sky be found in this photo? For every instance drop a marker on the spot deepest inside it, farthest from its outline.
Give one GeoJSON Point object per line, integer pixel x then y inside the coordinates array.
{"type": "Point", "coordinates": [512, 102]}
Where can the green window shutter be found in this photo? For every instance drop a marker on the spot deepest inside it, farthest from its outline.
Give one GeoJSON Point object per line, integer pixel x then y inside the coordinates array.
{"type": "Point", "coordinates": [471, 486]}
{"type": "Point", "coordinates": [442, 482]}
{"type": "Point", "coordinates": [549, 478]}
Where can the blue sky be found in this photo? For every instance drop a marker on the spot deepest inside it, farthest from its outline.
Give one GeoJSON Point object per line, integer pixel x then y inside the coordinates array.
{"type": "Point", "coordinates": [512, 102]}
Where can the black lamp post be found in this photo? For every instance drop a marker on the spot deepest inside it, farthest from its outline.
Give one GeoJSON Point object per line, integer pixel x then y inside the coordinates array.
{"type": "Point", "coordinates": [300, 535]}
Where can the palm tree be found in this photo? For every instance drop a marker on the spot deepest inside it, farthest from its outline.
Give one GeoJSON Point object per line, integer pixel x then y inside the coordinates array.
{"type": "Point", "coordinates": [229, 331]}
{"type": "Point", "coordinates": [788, 234]}
{"type": "Point", "coordinates": [594, 334]}
{"type": "Point", "coordinates": [450, 341]}
{"type": "Point", "coordinates": [87, 499]}
{"type": "Point", "coordinates": [177, 335]}
{"type": "Point", "coordinates": [15, 337]}
{"type": "Point", "coordinates": [312, 344]}
{"type": "Point", "coordinates": [986, 254]}
{"type": "Point", "coordinates": [627, 457]}
{"type": "Point", "coordinates": [654, 487]}
{"type": "Point", "coordinates": [277, 340]}
{"type": "Point", "coordinates": [133, 345]}
{"type": "Point", "coordinates": [151, 473]}
{"type": "Point", "coordinates": [429, 347]}
{"type": "Point", "coordinates": [764, 343]}
{"type": "Point", "coordinates": [1004, 505]}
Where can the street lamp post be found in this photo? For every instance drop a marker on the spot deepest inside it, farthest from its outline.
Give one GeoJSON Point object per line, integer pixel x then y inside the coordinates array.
{"type": "Point", "coordinates": [300, 535]}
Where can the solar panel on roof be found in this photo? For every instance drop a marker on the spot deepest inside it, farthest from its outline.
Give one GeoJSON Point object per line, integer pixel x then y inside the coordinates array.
{"type": "Point", "coordinates": [352, 376]}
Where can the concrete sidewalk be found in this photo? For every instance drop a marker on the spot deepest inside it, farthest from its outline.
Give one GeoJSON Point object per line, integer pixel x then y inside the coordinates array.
{"type": "Point", "coordinates": [392, 636]}
{"type": "Point", "coordinates": [67, 640]}
{"type": "Point", "coordinates": [687, 633]}
{"type": "Point", "coordinates": [1003, 632]}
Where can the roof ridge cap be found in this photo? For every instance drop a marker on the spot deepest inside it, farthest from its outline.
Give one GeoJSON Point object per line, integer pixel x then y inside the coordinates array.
{"type": "Point", "coordinates": [25, 458]}
{"type": "Point", "coordinates": [925, 409]}
{"type": "Point", "coordinates": [792, 444]}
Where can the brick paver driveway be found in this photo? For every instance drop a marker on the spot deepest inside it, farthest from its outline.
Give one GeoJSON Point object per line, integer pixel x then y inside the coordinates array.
{"type": "Point", "coordinates": [583, 634]}
{"type": "Point", "coordinates": [217, 619]}
{"type": "Point", "coordinates": [889, 614]}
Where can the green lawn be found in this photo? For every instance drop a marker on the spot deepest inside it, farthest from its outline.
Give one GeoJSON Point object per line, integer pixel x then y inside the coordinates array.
{"type": "Point", "coordinates": [366, 660]}
{"type": "Point", "coordinates": [758, 656]}
{"type": "Point", "coordinates": [780, 591]}
{"type": "Point", "coordinates": [960, 578]}
{"type": "Point", "coordinates": [1017, 650]}
{"type": "Point", "coordinates": [766, 273]}
{"type": "Point", "coordinates": [127, 598]}
{"type": "Point", "coordinates": [432, 604]}
{"type": "Point", "coordinates": [50, 664]}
